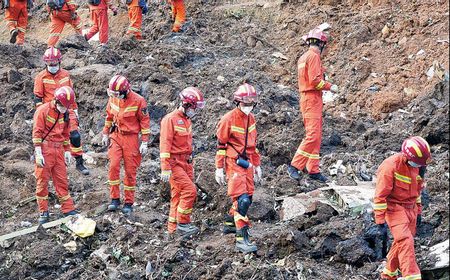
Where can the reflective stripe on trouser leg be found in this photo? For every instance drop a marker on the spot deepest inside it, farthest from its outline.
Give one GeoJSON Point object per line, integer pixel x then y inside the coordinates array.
{"type": "Point", "coordinates": [402, 250]}
{"type": "Point", "coordinates": [307, 155]}
{"type": "Point", "coordinates": [115, 156]}
{"type": "Point", "coordinates": [60, 181]}
{"type": "Point", "coordinates": [42, 177]}
{"type": "Point", "coordinates": [174, 201]}
{"type": "Point", "coordinates": [135, 17]}
{"type": "Point", "coordinates": [239, 220]}
{"type": "Point", "coordinates": [56, 27]}
{"type": "Point", "coordinates": [182, 183]}
{"type": "Point", "coordinates": [22, 23]}
{"type": "Point", "coordinates": [132, 160]}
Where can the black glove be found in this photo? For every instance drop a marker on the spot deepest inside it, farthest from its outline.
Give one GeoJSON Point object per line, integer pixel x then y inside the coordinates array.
{"type": "Point", "coordinates": [422, 171]}
{"type": "Point", "coordinates": [382, 229]}
{"type": "Point", "coordinates": [419, 220]}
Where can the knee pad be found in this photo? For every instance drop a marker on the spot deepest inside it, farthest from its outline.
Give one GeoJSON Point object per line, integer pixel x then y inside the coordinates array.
{"type": "Point", "coordinates": [244, 202]}
{"type": "Point", "coordinates": [75, 139]}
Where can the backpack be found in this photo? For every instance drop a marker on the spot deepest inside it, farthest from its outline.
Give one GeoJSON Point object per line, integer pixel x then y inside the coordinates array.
{"type": "Point", "coordinates": [94, 2]}
{"type": "Point", "coordinates": [55, 4]}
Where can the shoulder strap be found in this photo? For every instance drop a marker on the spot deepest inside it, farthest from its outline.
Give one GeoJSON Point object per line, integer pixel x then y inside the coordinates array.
{"type": "Point", "coordinates": [56, 121]}
{"type": "Point", "coordinates": [244, 153]}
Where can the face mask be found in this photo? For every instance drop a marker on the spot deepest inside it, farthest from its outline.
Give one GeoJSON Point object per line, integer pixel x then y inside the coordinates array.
{"type": "Point", "coordinates": [412, 164]}
{"type": "Point", "coordinates": [190, 113]}
{"type": "Point", "coordinates": [53, 69]}
{"type": "Point", "coordinates": [61, 108]}
{"type": "Point", "coordinates": [246, 109]}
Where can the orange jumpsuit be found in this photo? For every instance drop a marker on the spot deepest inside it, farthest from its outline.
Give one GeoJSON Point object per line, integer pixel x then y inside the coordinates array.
{"type": "Point", "coordinates": [135, 17]}
{"type": "Point", "coordinates": [130, 117]}
{"type": "Point", "coordinates": [45, 85]}
{"type": "Point", "coordinates": [53, 146]}
{"type": "Point", "coordinates": [59, 19]}
{"type": "Point", "coordinates": [17, 18]}
{"type": "Point", "coordinates": [99, 17]}
{"type": "Point", "coordinates": [231, 133]}
{"type": "Point", "coordinates": [175, 153]}
{"type": "Point", "coordinates": [311, 83]}
{"type": "Point", "coordinates": [397, 202]}
{"type": "Point", "coordinates": [178, 14]}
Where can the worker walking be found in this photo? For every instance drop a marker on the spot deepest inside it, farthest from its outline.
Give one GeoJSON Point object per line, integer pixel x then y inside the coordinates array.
{"type": "Point", "coordinates": [237, 154]}
{"type": "Point", "coordinates": [62, 11]}
{"type": "Point", "coordinates": [99, 17]}
{"type": "Point", "coordinates": [178, 15]}
{"type": "Point", "coordinates": [135, 10]}
{"type": "Point", "coordinates": [176, 160]}
{"type": "Point", "coordinates": [16, 16]}
{"type": "Point", "coordinates": [45, 84]}
{"type": "Point", "coordinates": [311, 84]}
{"type": "Point", "coordinates": [397, 204]}
{"type": "Point", "coordinates": [52, 151]}
{"type": "Point", "coordinates": [126, 117]}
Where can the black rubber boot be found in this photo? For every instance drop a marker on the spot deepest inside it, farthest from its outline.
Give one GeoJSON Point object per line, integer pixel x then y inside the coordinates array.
{"type": "Point", "coordinates": [294, 173]}
{"type": "Point", "coordinates": [242, 241]}
{"type": "Point", "coordinates": [127, 209]}
{"type": "Point", "coordinates": [114, 205]}
{"type": "Point", "coordinates": [44, 218]}
{"type": "Point", "coordinates": [187, 230]}
{"type": "Point", "coordinates": [318, 177]}
{"type": "Point", "coordinates": [14, 34]}
{"type": "Point", "coordinates": [80, 165]}
{"type": "Point", "coordinates": [228, 225]}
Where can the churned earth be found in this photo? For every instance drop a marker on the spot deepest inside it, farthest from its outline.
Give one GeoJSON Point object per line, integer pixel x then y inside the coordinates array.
{"type": "Point", "coordinates": [381, 56]}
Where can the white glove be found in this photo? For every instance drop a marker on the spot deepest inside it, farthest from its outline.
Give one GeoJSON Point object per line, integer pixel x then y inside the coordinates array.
{"type": "Point", "coordinates": [220, 177]}
{"type": "Point", "coordinates": [258, 174]}
{"type": "Point", "coordinates": [67, 158]}
{"type": "Point", "coordinates": [334, 88]}
{"type": "Point", "coordinates": [143, 148]}
{"type": "Point", "coordinates": [165, 175]}
{"type": "Point", "coordinates": [39, 158]}
{"type": "Point", "coordinates": [76, 113]}
{"type": "Point", "coordinates": [105, 140]}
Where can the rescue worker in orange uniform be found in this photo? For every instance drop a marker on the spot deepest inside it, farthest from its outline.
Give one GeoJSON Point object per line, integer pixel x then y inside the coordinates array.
{"type": "Point", "coordinates": [59, 17]}
{"type": "Point", "coordinates": [135, 10]}
{"type": "Point", "coordinates": [16, 16]}
{"type": "Point", "coordinates": [397, 204]}
{"type": "Point", "coordinates": [52, 151]}
{"type": "Point", "coordinates": [178, 15]}
{"type": "Point", "coordinates": [237, 154]}
{"type": "Point", "coordinates": [99, 17]}
{"type": "Point", "coordinates": [311, 84]}
{"type": "Point", "coordinates": [176, 164]}
{"type": "Point", "coordinates": [126, 117]}
{"type": "Point", "coordinates": [45, 84]}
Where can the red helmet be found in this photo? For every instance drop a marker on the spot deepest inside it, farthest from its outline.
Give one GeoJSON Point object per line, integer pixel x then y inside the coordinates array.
{"type": "Point", "coordinates": [316, 34]}
{"type": "Point", "coordinates": [52, 55]}
{"type": "Point", "coordinates": [417, 150]}
{"type": "Point", "coordinates": [192, 96]}
{"type": "Point", "coordinates": [246, 94]}
{"type": "Point", "coordinates": [65, 95]}
{"type": "Point", "coordinates": [119, 83]}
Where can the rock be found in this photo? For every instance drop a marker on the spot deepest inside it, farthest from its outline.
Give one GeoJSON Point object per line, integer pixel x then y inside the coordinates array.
{"type": "Point", "coordinates": [326, 247]}
{"type": "Point", "coordinates": [71, 246]}
{"type": "Point", "coordinates": [385, 32]}
{"type": "Point", "coordinates": [74, 41]}
{"type": "Point", "coordinates": [354, 251]}
{"type": "Point", "coordinates": [12, 76]}
{"type": "Point", "coordinates": [251, 41]}
{"type": "Point", "coordinates": [262, 206]}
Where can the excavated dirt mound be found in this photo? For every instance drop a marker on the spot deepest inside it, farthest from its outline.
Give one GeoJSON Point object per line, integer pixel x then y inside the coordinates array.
{"type": "Point", "coordinates": [380, 55]}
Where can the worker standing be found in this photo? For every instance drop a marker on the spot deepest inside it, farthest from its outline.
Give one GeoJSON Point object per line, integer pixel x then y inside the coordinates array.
{"type": "Point", "coordinates": [45, 84]}
{"type": "Point", "coordinates": [16, 16]}
{"type": "Point", "coordinates": [52, 151]}
{"type": "Point", "coordinates": [237, 153]}
{"type": "Point", "coordinates": [135, 10]}
{"type": "Point", "coordinates": [99, 17]}
{"type": "Point", "coordinates": [62, 11]}
{"type": "Point", "coordinates": [311, 84]}
{"type": "Point", "coordinates": [126, 117]}
{"type": "Point", "coordinates": [397, 204]}
{"type": "Point", "coordinates": [176, 160]}
{"type": "Point", "coordinates": [178, 15]}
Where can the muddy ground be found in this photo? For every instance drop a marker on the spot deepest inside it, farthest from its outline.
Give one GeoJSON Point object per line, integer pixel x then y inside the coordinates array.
{"type": "Point", "coordinates": [379, 56]}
